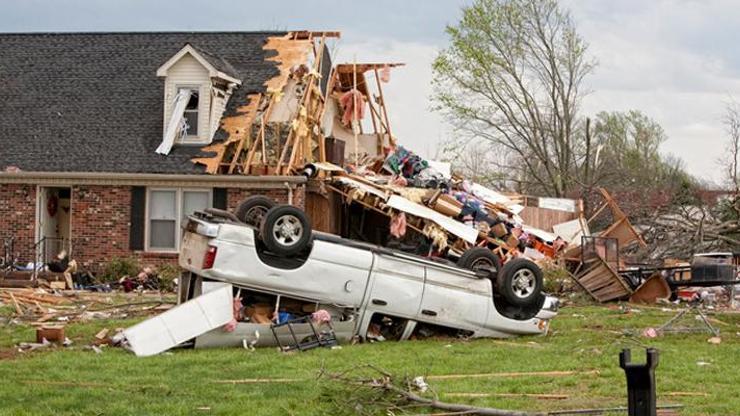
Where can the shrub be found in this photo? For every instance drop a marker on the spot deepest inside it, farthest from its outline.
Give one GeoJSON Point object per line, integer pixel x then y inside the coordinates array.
{"type": "Point", "coordinates": [167, 273]}
{"type": "Point", "coordinates": [119, 267]}
{"type": "Point", "coordinates": [555, 278]}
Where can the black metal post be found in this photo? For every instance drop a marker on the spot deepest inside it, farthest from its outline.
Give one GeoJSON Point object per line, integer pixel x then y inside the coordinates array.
{"type": "Point", "coordinates": [641, 397]}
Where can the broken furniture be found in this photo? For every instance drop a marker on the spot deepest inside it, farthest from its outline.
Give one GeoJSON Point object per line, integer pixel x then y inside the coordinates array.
{"type": "Point", "coordinates": [653, 289]}
{"type": "Point", "coordinates": [695, 309]}
{"type": "Point", "coordinates": [597, 272]}
{"type": "Point", "coordinates": [324, 338]}
{"type": "Point", "coordinates": [594, 263]}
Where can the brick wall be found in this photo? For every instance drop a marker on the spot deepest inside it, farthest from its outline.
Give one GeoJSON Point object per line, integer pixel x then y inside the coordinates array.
{"type": "Point", "coordinates": [100, 224]}
{"type": "Point", "coordinates": [100, 221]}
{"type": "Point", "coordinates": [17, 218]}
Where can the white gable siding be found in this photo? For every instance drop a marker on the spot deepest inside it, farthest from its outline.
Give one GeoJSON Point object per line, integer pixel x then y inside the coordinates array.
{"type": "Point", "coordinates": [219, 105]}
{"type": "Point", "coordinates": [189, 72]}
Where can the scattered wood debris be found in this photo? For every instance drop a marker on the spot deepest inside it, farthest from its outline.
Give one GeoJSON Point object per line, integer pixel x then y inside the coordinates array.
{"type": "Point", "coordinates": [515, 395]}
{"type": "Point", "coordinates": [39, 306]}
{"type": "Point", "coordinates": [513, 374]}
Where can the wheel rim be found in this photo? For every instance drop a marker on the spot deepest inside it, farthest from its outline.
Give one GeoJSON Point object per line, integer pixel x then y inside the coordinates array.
{"type": "Point", "coordinates": [287, 230]}
{"type": "Point", "coordinates": [523, 283]}
{"type": "Point", "coordinates": [254, 215]}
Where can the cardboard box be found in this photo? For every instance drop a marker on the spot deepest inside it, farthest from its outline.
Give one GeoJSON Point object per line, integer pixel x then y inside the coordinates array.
{"type": "Point", "coordinates": [448, 205]}
{"type": "Point", "coordinates": [499, 230]}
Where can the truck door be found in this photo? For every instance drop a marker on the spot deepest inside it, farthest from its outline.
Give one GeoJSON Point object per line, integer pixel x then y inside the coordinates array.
{"type": "Point", "coordinates": [453, 299]}
{"type": "Point", "coordinates": [397, 286]}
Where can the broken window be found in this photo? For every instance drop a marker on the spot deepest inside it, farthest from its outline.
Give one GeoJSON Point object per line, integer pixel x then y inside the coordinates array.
{"type": "Point", "coordinates": [166, 210]}
{"type": "Point", "coordinates": [191, 113]}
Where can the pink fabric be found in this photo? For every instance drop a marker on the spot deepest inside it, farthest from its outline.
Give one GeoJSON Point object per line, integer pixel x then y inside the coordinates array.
{"type": "Point", "coordinates": [398, 225]}
{"type": "Point", "coordinates": [650, 333]}
{"type": "Point", "coordinates": [399, 181]}
{"type": "Point", "coordinates": [230, 326]}
{"type": "Point", "coordinates": [237, 310]}
{"type": "Point", "coordinates": [321, 316]}
{"type": "Point", "coordinates": [385, 73]}
{"type": "Point", "coordinates": [352, 101]}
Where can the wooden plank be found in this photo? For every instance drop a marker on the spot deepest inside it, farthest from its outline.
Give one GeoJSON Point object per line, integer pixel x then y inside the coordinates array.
{"type": "Point", "coordinates": [513, 374]}
{"type": "Point", "coordinates": [245, 138]}
{"type": "Point", "coordinates": [526, 395]}
{"type": "Point", "coordinates": [391, 141]}
{"type": "Point", "coordinates": [18, 308]}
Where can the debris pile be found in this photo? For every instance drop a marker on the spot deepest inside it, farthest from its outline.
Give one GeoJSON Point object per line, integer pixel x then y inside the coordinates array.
{"type": "Point", "coordinates": [39, 306]}
{"type": "Point", "coordinates": [452, 213]}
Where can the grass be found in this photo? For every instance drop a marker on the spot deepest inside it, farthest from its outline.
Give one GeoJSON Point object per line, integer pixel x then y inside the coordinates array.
{"type": "Point", "coordinates": [76, 381]}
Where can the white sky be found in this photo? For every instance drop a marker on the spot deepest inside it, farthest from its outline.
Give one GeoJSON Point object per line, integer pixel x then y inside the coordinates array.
{"type": "Point", "coordinates": [675, 60]}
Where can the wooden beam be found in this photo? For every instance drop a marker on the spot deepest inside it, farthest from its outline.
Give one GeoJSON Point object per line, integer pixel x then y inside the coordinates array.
{"type": "Point", "coordinates": [391, 141]}
{"type": "Point", "coordinates": [247, 136]}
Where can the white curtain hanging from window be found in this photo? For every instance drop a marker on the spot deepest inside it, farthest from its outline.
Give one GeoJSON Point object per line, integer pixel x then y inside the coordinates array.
{"type": "Point", "coordinates": [174, 126]}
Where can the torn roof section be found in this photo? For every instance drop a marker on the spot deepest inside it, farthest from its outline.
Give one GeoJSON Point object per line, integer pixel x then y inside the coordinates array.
{"type": "Point", "coordinates": [92, 102]}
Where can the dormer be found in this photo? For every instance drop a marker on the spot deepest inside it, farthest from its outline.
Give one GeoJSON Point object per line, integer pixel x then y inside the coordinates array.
{"type": "Point", "coordinates": [196, 89]}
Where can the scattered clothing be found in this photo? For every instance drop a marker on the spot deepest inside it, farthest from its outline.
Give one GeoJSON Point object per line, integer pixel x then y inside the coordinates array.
{"type": "Point", "coordinates": [385, 73]}
{"type": "Point", "coordinates": [398, 225]}
{"type": "Point", "coordinates": [353, 103]}
{"type": "Point", "coordinates": [322, 316]}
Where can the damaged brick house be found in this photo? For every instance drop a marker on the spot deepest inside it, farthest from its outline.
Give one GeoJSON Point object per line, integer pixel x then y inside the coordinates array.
{"type": "Point", "coordinates": [108, 140]}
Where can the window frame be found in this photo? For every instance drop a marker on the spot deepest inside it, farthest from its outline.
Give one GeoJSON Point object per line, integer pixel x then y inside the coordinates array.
{"type": "Point", "coordinates": [192, 138]}
{"type": "Point", "coordinates": [179, 201]}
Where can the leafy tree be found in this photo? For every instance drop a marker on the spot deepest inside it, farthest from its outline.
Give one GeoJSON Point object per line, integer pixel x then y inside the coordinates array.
{"type": "Point", "coordinates": [626, 155]}
{"type": "Point", "coordinates": [512, 77]}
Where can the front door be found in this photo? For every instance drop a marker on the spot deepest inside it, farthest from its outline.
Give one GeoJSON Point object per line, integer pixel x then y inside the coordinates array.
{"type": "Point", "coordinates": [53, 231]}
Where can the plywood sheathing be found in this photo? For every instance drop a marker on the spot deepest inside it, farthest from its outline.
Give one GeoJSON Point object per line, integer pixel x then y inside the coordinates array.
{"type": "Point", "coordinates": [236, 128]}
{"type": "Point", "coordinates": [290, 52]}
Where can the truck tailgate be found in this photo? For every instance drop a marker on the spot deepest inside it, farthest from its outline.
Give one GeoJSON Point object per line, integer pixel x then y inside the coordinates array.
{"type": "Point", "coordinates": [193, 250]}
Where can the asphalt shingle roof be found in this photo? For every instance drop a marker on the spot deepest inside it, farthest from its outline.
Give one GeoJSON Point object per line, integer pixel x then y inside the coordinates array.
{"type": "Point", "coordinates": [92, 102]}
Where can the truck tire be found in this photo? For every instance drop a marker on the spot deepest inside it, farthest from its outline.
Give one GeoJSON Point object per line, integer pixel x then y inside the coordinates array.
{"type": "Point", "coordinates": [252, 210]}
{"type": "Point", "coordinates": [520, 282]}
{"type": "Point", "coordinates": [480, 258]}
{"type": "Point", "coordinates": [285, 230]}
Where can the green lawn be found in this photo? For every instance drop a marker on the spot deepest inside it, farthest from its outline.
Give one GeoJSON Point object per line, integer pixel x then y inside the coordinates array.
{"type": "Point", "coordinates": [76, 381]}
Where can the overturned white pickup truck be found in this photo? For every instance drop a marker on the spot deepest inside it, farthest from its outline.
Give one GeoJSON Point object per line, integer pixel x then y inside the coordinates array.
{"type": "Point", "coordinates": [283, 269]}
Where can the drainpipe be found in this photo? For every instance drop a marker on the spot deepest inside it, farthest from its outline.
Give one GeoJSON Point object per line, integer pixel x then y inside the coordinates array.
{"type": "Point", "coordinates": [290, 192]}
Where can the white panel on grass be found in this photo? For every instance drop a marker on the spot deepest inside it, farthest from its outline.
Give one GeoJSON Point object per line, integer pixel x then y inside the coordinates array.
{"type": "Point", "coordinates": [181, 323]}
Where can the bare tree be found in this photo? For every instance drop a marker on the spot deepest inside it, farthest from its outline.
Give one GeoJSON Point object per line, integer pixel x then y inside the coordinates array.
{"type": "Point", "coordinates": [693, 225]}
{"type": "Point", "coordinates": [512, 76]}
{"type": "Point", "coordinates": [476, 161]}
{"type": "Point", "coordinates": [731, 159]}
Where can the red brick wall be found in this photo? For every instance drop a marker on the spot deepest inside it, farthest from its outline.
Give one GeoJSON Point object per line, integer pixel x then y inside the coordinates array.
{"type": "Point", "coordinates": [100, 218]}
{"type": "Point", "coordinates": [100, 224]}
{"type": "Point", "coordinates": [17, 218]}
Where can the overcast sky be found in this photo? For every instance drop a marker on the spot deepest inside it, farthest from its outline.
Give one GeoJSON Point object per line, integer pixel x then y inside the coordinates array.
{"type": "Point", "coordinates": [675, 60]}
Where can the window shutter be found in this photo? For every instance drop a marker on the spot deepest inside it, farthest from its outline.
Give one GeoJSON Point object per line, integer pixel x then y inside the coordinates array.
{"type": "Point", "coordinates": [219, 198]}
{"type": "Point", "coordinates": [138, 217]}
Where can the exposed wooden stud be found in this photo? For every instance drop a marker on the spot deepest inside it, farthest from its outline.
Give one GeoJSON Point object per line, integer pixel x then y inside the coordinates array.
{"type": "Point", "coordinates": [391, 141]}
{"type": "Point", "coordinates": [354, 108]}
